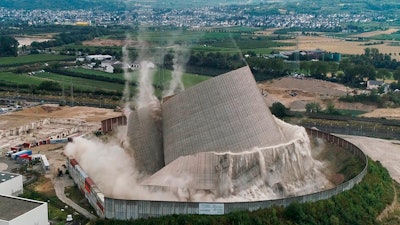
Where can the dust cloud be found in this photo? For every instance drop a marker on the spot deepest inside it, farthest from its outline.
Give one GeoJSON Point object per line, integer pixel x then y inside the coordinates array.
{"type": "Point", "coordinates": [112, 169]}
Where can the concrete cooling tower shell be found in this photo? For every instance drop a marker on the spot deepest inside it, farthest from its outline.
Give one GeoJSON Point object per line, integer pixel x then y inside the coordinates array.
{"type": "Point", "coordinates": [145, 139]}
{"type": "Point", "coordinates": [224, 114]}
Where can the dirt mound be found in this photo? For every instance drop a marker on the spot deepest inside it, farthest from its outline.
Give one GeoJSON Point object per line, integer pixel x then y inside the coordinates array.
{"type": "Point", "coordinates": [50, 109]}
{"type": "Point", "coordinates": [296, 93]}
{"type": "Point", "coordinates": [41, 109]}
{"type": "Point", "coordinates": [309, 85]}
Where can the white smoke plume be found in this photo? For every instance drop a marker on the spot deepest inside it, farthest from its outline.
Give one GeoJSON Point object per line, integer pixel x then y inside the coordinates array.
{"type": "Point", "coordinates": [145, 96]}
{"type": "Point", "coordinates": [128, 75]}
{"type": "Point", "coordinates": [181, 57]}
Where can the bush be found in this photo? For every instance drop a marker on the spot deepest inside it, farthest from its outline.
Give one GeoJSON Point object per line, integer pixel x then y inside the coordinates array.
{"type": "Point", "coordinates": [278, 109]}
{"type": "Point", "coordinates": [49, 86]}
{"type": "Point", "coordinates": [313, 107]}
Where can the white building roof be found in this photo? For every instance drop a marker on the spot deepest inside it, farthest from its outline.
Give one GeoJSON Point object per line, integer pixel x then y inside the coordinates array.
{"type": "Point", "coordinates": [7, 176]}
{"type": "Point", "coordinates": [12, 207]}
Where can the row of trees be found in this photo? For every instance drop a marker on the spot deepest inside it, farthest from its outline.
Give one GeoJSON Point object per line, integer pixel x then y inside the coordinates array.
{"type": "Point", "coordinates": [354, 70]}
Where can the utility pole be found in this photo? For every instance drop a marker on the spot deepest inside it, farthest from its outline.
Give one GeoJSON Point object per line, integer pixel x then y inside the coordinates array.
{"type": "Point", "coordinates": [297, 53]}
{"type": "Point", "coordinates": [72, 94]}
{"type": "Point", "coordinates": [63, 93]}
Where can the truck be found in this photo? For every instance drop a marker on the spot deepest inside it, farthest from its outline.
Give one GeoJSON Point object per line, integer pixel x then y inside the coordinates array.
{"type": "Point", "coordinates": [60, 140]}
{"type": "Point", "coordinates": [45, 163]}
{"type": "Point", "coordinates": [17, 154]}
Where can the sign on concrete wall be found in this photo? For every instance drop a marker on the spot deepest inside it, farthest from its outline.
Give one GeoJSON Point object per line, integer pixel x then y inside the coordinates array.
{"type": "Point", "coordinates": [211, 209]}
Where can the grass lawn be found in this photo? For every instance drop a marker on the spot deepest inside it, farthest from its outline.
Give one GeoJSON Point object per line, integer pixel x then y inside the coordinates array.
{"type": "Point", "coordinates": [76, 196]}
{"type": "Point", "coordinates": [57, 210]}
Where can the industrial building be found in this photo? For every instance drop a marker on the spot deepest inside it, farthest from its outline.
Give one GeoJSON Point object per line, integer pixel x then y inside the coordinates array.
{"type": "Point", "coordinates": [98, 57]}
{"type": "Point", "coordinates": [19, 211]}
{"type": "Point", "coordinates": [11, 184]}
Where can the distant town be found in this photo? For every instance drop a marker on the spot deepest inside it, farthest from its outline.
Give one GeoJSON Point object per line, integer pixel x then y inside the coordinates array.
{"type": "Point", "coordinates": [222, 16]}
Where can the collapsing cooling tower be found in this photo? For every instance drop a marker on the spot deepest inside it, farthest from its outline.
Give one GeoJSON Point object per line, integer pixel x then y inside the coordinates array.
{"type": "Point", "coordinates": [220, 137]}
{"type": "Point", "coordinates": [144, 133]}
{"type": "Point", "coordinates": [224, 114]}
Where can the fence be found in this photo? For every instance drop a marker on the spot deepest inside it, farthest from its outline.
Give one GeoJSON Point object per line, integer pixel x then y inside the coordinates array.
{"type": "Point", "coordinates": [387, 132]}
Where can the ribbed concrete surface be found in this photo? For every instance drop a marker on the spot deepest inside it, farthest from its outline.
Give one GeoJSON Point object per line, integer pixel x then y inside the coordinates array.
{"type": "Point", "coordinates": [145, 139]}
{"type": "Point", "coordinates": [226, 113]}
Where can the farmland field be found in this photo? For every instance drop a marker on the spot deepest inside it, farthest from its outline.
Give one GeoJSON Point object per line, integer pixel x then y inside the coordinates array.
{"type": "Point", "coordinates": [97, 73]}
{"type": "Point", "coordinates": [19, 79]}
{"type": "Point", "coordinates": [340, 45]}
{"type": "Point", "coordinates": [375, 33]}
{"type": "Point", "coordinates": [161, 77]}
{"type": "Point", "coordinates": [27, 59]}
{"type": "Point", "coordinates": [80, 83]}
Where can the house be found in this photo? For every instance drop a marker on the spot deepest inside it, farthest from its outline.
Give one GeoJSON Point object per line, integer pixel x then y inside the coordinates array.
{"type": "Point", "coordinates": [98, 57]}
{"type": "Point", "coordinates": [108, 66]}
{"type": "Point", "coordinates": [373, 84]}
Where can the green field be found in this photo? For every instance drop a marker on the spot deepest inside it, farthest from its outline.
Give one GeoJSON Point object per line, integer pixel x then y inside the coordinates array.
{"type": "Point", "coordinates": [179, 36]}
{"type": "Point", "coordinates": [19, 79]}
{"type": "Point", "coordinates": [160, 77]}
{"type": "Point", "coordinates": [83, 47]}
{"type": "Point", "coordinates": [80, 83]}
{"type": "Point", "coordinates": [29, 59]}
{"type": "Point", "coordinates": [390, 37]}
{"type": "Point", "coordinates": [97, 73]}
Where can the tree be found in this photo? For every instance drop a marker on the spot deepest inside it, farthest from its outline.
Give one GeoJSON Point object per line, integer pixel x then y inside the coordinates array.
{"type": "Point", "coordinates": [278, 109]}
{"type": "Point", "coordinates": [383, 74]}
{"type": "Point", "coordinates": [330, 109]}
{"type": "Point", "coordinates": [8, 46]}
{"type": "Point", "coordinates": [313, 107]}
{"type": "Point", "coordinates": [396, 74]}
